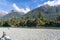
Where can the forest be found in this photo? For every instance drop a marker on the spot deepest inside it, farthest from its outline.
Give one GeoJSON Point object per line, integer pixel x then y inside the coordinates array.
{"type": "Point", "coordinates": [30, 22]}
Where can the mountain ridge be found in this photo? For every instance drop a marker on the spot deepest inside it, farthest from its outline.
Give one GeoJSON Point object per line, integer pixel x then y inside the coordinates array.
{"type": "Point", "coordinates": [50, 12]}
{"type": "Point", "coordinates": [12, 14]}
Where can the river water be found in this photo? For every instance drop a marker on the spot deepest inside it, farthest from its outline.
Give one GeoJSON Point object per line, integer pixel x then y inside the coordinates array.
{"type": "Point", "coordinates": [31, 34]}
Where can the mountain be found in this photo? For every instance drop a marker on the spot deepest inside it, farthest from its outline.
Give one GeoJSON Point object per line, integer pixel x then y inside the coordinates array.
{"type": "Point", "coordinates": [12, 14]}
{"type": "Point", "coordinates": [49, 12]}
{"type": "Point", "coordinates": [3, 13]}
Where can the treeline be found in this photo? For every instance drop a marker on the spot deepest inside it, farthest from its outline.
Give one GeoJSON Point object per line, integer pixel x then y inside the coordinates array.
{"type": "Point", "coordinates": [29, 22]}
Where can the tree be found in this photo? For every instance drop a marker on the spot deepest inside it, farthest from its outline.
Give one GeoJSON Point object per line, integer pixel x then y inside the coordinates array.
{"type": "Point", "coordinates": [41, 16]}
{"type": "Point", "coordinates": [1, 22]}
{"type": "Point", "coordinates": [6, 24]}
{"type": "Point", "coordinates": [13, 21]}
{"type": "Point", "coordinates": [22, 21]}
{"type": "Point", "coordinates": [58, 17]}
{"type": "Point", "coordinates": [29, 22]}
{"type": "Point", "coordinates": [38, 22]}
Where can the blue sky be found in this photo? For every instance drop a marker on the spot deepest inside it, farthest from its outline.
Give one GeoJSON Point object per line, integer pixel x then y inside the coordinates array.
{"type": "Point", "coordinates": [8, 5]}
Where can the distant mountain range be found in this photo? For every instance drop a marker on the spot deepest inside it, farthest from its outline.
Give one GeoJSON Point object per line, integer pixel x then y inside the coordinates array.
{"type": "Point", "coordinates": [3, 13]}
{"type": "Point", "coordinates": [50, 12]}
{"type": "Point", "coordinates": [13, 14]}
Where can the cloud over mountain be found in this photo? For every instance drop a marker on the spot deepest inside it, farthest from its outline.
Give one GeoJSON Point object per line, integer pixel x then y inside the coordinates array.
{"type": "Point", "coordinates": [20, 9]}
{"type": "Point", "coordinates": [2, 13]}
{"type": "Point", "coordinates": [51, 3]}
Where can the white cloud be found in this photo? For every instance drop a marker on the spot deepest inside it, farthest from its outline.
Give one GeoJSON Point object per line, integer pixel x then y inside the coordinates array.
{"type": "Point", "coordinates": [27, 10]}
{"type": "Point", "coordinates": [15, 7]}
{"type": "Point", "coordinates": [3, 13]}
{"type": "Point", "coordinates": [51, 3]}
{"type": "Point", "coordinates": [40, 5]}
{"type": "Point", "coordinates": [20, 9]}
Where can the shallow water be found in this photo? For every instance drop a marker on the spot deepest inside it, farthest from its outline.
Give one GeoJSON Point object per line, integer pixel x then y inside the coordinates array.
{"type": "Point", "coordinates": [31, 34]}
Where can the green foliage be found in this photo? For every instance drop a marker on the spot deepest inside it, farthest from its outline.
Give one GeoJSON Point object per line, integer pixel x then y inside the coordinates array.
{"type": "Point", "coordinates": [1, 22]}
{"type": "Point", "coordinates": [22, 22]}
{"type": "Point", "coordinates": [41, 16]}
{"type": "Point", "coordinates": [6, 24]}
{"type": "Point", "coordinates": [29, 22]}
{"type": "Point", "coordinates": [38, 22]}
{"type": "Point", "coordinates": [13, 21]}
{"type": "Point", "coordinates": [58, 17]}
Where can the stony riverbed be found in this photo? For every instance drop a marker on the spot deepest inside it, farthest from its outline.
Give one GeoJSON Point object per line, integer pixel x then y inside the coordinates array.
{"type": "Point", "coordinates": [31, 34]}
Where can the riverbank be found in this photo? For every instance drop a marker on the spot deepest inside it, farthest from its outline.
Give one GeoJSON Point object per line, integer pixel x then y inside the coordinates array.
{"type": "Point", "coordinates": [31, 34]}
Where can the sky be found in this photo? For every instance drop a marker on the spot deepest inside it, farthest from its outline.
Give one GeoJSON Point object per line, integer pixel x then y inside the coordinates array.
{"type": "Point", "coordinates": [25, 5]}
